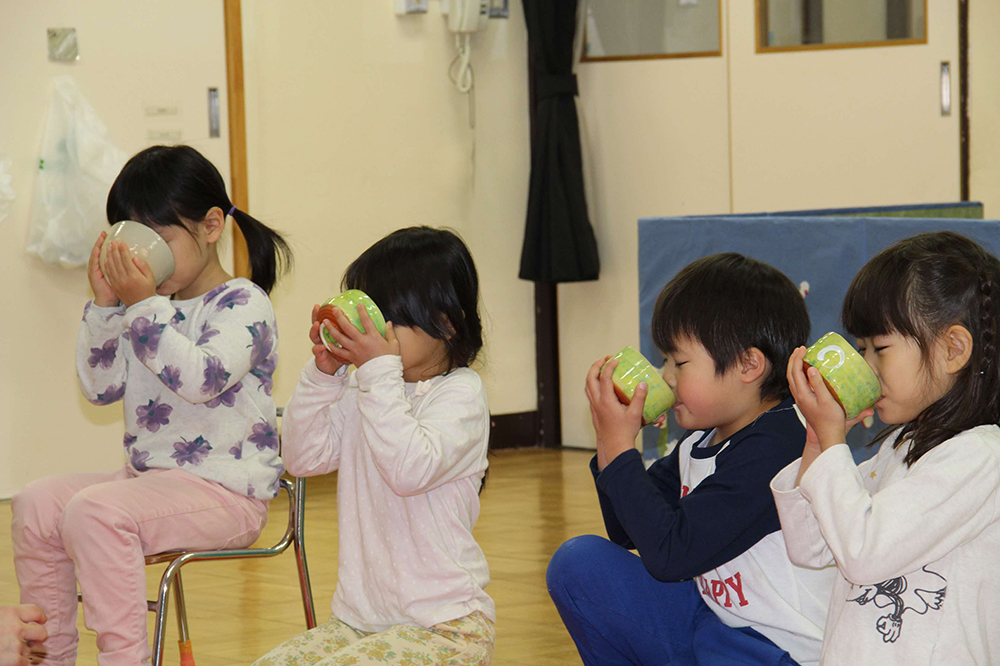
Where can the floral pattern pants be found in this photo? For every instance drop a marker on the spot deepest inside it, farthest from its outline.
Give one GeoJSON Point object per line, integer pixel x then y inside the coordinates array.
{"type": "Point", "coordinates": [467, 641]}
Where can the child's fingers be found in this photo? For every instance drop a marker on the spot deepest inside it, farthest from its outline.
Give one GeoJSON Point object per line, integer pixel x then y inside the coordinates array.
{"type": "Point", "coordinates": [794, 367]}
{"type": "Point", "coordinates": [341, 355]}
{"type": "Point", "coordinates": [816, 382]}
{"type": "Point", "coordinates": [607, 387]}
{"type": "Point", "coordinates": [390, 333]}
{"type": "Point", "coordinates": [314, 333]}
{"type": "Point", "coordinates": [34, 632]}
{"type": "Point", "coordinates": [315, 314]}
{"type": "Point", "coordinates": [366, 320]}
{"type": "Point", "coordinates": [144, 268]}
{"type": "Point", "coordinates": [31, 613]}
{"type": "Point", "coordinates": [346, 328]}
{"type": "Point", "coordinates": [111, 270]}
{"type": "Point", "coordinates": [797, 381]}
{"type": "Point", "coordinates": [860, 417]}
{"type": "Point", "coordinates": [95, 254]}
{"type": "Point", "coordinates": [638, 401]}
{"type": "Point", "coordinates": [337, 333]}
{"type": "Point", "coordinates": [592, 385]}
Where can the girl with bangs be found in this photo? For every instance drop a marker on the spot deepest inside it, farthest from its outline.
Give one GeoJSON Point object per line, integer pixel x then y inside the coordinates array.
{"type": "Point", "coordinates": [405, 422]}
{"type": "Point", "coordinates": [914, 531]}
{"type": "Point", "coordinates": [192, 361]}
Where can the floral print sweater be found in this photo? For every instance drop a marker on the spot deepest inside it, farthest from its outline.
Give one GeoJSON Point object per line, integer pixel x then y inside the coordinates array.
{"type": "Point", "coordinates": [196, 377]}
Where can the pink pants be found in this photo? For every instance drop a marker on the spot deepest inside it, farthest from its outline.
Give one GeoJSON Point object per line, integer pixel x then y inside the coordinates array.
{"type": "Point", "coordinates": [96, 529]}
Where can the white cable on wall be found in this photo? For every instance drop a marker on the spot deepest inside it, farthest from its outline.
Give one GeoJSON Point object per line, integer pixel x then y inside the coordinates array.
{"type": "Point", "coordinates": [460, 70]}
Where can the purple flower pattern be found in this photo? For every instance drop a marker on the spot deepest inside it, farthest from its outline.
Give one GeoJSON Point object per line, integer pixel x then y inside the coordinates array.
{"type": "Point", "coordinates": [153, 415]}
{"type": "Point", "coordinates": [104, 356]}
{"type": "Point", "coordinates": [262, 359]}
{"type": "Point", "coordinates": [177, 318]}
{"type": "Point", "coordinates": [226, 398]}
{"type": "Point", "coordinates": [232, 299]}
{"type": "Point", "coordinates": [193, 452]}
{"type": "Point", "coordinates": [265, 436]}
{"type": "Point", "coordinates": [215, 292]}
{"type": "Point", "coordinates": [207, 334]}
{"type": "Point", "coordinates": [86, 308]}
{"type": "Point", "coordinates": [236, 450]}
{"type": "Point", "coordinates": [129, 440]}
{"type": "Point", "coordinates": [215, 376]}
{"type": "Point", "coordinates": [275, 486]}
{"type": "Point", "coordinates": [171, 377]}
{"type": "Point", "coordinates": [145, 337]}
{"type": "Point", "coordinates": [110, 395]}
{"type": "Point", "coordinates": [139, 459]}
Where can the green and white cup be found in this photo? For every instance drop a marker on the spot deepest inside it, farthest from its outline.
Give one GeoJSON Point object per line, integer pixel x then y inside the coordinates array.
{"type": "Point", "coordinates": [348, 303]}
{"type": "Point", "coordinates": [847, 375]}
{"type": "Point", "coordinates": [632, 369]}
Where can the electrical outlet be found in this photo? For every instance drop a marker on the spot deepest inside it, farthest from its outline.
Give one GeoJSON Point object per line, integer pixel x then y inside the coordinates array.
{"type": "Point", "coordinates": [411, 7]}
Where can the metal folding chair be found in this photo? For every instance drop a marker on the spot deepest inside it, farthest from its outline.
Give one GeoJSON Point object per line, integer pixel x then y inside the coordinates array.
{"type": "Point", "coordinates": [294, 536]}
{"type": "Point", "coordinates": [171, 579]}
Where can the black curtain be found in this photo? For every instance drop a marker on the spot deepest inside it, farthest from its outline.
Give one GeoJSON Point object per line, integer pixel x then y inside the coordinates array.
{"type": "Point", "coordinates": [559, 244]}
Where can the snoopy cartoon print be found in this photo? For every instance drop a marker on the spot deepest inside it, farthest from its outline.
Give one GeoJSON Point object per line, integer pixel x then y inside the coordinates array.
{"type": "Point", "coordinates": [921, 592]}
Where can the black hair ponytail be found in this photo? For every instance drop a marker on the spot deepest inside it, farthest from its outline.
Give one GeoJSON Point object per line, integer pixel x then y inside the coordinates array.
{"type": "Point", "coordinates": [168, 186]}
{"type": "Point", "coordinates": [267, 251]}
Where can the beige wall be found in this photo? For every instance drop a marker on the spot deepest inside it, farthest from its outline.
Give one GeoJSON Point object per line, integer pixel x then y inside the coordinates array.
{"type": "Point", "coordinates": [354, 130]}
{"type": "Point", "coordinates": [656, 137]}
{"type": "Point", "coordinates": [843, 127]}
{"type": "Point", "coordinates": [984, 102]}
{"type": "Point", "coordinates": [132, 53]}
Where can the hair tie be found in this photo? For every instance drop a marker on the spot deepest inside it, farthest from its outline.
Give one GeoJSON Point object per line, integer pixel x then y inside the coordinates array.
{"type": "Point", "coordinates": [231, 211]}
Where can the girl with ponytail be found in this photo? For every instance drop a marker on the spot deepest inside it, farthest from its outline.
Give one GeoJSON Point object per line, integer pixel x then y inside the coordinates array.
{"type": "Point", "coordinates": [192, 360]}
{"type": "Point", "coordinates": [915, 531]}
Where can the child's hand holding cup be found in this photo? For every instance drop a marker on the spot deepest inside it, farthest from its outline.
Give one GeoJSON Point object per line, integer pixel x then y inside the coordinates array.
{"type": "Point", "coordinates": [324, 317]}
{"type": "Point", "coordinates": [632, 369]}
{"type": "Point", "coordinates": [848, 376]}
{"type": "Point", "coordinates": [348, 303]}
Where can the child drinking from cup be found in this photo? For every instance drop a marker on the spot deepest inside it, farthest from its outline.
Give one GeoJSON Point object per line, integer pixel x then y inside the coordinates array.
{"type": "Point", "coordinates": [407, 432]}
{"type": "Point", "coordinates": [712, 583]}
{"type": "Point", "coordinates": [914, 531]}
{"type": "Point", "coordinates": [192, 360]}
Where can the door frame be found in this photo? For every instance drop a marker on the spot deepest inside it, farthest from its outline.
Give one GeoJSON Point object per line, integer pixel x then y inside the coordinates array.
{"type": "Point", "coordinates": [239, 191]}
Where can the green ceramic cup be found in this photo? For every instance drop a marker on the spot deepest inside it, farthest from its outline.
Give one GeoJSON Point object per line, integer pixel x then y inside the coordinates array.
{"type": "Point", "coordinates": [634, 368]}
{"type": "Point", "coordinates": [348, 303]}
{"type": "Point", "coordinates": [848, 376]}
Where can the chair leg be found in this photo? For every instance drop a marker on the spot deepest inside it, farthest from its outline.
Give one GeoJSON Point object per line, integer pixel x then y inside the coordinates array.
{"type": "Point", "coordinates": [161, 606]}
{"type": "Point", "coordinates": [300, 553]}
{"type": "Point", "coordinates": [183, 638]}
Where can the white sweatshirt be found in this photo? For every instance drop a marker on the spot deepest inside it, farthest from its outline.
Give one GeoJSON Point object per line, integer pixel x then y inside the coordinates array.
{"type": "Point", "coordinates": [411, 459]}
{"type": "Point", "coordinates": [195, 376]}
{"type": "Point", "coordinates": [917, 548]}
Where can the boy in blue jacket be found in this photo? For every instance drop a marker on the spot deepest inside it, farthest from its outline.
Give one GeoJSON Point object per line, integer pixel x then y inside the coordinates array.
{"type": "Point", "coordinates": [712, 583]}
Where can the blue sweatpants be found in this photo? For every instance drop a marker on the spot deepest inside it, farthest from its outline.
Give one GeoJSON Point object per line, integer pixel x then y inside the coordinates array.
{"type": "Point", "coordinates": [618, 614]}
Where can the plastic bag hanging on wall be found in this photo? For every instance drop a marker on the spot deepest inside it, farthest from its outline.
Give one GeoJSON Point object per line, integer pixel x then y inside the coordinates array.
{"type": "Point", "coordinates": [77, 165]}
{"type": "Point", "coordinates": [6, 189]}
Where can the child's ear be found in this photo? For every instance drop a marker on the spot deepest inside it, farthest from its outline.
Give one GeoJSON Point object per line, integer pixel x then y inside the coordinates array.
{"type": "Point", "coordinates": [214, 224]}
{"type": "Point", "coordinates": [957, 343]}
{"type": "Point", "coordinates": [753, 365]}
{"type": "Point", "coordinates": [448, 325]}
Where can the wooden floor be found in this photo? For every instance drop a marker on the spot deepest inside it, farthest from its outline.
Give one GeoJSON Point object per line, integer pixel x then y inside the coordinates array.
{"type": "Point", "coordinates": [534, 500]}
